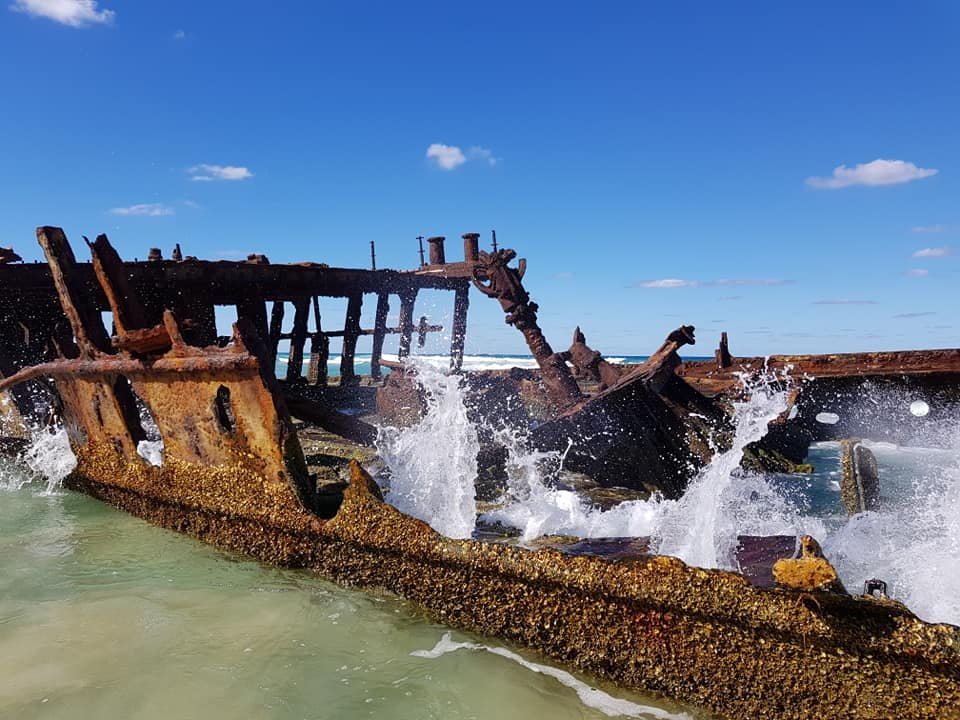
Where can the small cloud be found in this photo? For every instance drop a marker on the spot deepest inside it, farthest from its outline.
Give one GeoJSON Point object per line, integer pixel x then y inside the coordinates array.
{"type": "Point", "coordinates": [668, 283]}
{"type": "Point", "coordinates": [209, 173]}
{"type": "Point", "coordinates": [878, 172]}
{"type": "Point", "coordinates": [918, 272]}
{"type": "Point", "coordinates": [562, 275]}
{"type": "Point", "coordinates": [143, 210]}
{"type": "Point", "coordinates": [75, 13]}
{"type": "Point", "coordinates": [934, 252]}
{"type": "Point", "coordinates": [191, 204]}
{"type": "Point", "coordinates": [906, 316]}
{"type": "Point", "coordinates": [483, 154]}
{"type": "Point", "coordinates": [731, 297]}
{"type": "Point", "coordinates": [180, 35]}
{"type": "Point", "coordinates": [928, 229]}
{"type": "Point", "coordinates": [447, 157]}
{"type": "Point", "coordinates": [450, 157]}
{"type": "Point", "coordinates": [845, 302]}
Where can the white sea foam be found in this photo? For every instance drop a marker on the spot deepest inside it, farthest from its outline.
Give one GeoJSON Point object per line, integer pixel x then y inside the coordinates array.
{"type": "Point", "coordinates": [49, 457]}
{"type": "Point", "coordinates": [589, 696]}
{"type": "Point", "coordinates": [432, 468]}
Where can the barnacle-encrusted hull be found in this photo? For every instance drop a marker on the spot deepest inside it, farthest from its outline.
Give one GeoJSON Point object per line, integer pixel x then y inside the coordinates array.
{"type": "Point", "coordinates": [705, 637]}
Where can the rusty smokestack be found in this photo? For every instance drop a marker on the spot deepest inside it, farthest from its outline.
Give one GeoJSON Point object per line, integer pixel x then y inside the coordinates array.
{"type": "Point", "coordinates": [471, 247]}
{"type": "Point", "coordinates": [437, 256]}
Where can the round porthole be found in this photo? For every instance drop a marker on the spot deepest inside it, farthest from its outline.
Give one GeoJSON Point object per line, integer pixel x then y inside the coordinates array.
{"type": "Point", "coordinates": [919, 408]}
{"type": "Point", "coordinates": [827, 418]}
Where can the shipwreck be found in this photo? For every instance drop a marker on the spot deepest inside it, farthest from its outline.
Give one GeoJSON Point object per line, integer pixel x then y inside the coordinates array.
{"type": "Point", "coordinates": [778, 640]}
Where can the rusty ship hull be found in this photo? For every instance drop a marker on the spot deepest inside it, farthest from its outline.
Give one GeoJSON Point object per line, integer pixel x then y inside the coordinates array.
{"type": "Point", "coordinates": [234, 475]}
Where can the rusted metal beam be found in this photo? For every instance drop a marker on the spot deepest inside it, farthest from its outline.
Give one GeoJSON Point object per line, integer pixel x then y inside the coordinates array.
{"type": "Point", "coordinates": [330, 419]}
{"type": "Point", "coordinates": [493, 276]}
{"type": "Point", "coordinates": [298, 338]}
{"type": "Point", "coordinates": [84, 317]}
{"type": "Point", "coordinates": [319, 351]}
{"type": "Point", "coordinates": [351, 331]}
{"type": "Point", "coordinates": [461, 303]}
{"type": "Point", "coordinates": [407, 301]}
{"type": "Point", "coordinates": [379, 333]}
{"type": "Point", "coordinates": [276, 327]}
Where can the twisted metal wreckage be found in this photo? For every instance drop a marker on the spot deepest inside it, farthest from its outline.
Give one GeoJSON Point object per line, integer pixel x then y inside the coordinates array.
{"type": "Point", "coordinates": [780, 640]}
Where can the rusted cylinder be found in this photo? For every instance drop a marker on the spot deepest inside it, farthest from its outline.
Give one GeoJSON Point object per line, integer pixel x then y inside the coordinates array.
{"type": "Point", "coordinates": [437, 256]}
{"type": "Point", "coordinates": [471, 247]}
{"type": "Point", "coordinates": [155, 255]}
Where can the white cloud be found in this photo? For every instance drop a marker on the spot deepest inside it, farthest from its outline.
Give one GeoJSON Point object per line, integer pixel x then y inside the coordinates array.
{"type": "Point", "coordinates": [722, 282]}
{"type": "Point", "coordinates": [669, 283]}
{"type": "Point", "coordinates": [192, 204]}
{"type": "Point", "coordinates": [75, 13]}
{"type": "Point", "coordinates": [878, 172]}
{"type": "Point", "coordinates": [143, 209]}
{"type": "Point", "coordinates": [918, 272]}
{"type": "Point", "coordinates": [208, 173]}
{"type": "Point", "coordinates": [447, 157]}
{"type": "Point", "coordinates": [933, 252]}
{"type": "Point", "coordinates": [929, 229]}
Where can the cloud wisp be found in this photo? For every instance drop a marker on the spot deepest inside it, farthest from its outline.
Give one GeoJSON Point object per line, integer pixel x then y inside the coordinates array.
{"type": "Point", "coordinates": [878, 172]}
{"type": "Point", "coordinates": [918, 272]}
{"type": "Point", "coordinates": [909, 315]}
{"type": "Point", "coordinates": [939, 228]}
{"type": "Point", "coordinates": [450, 157]}
{"type": "Point", "coordinates": [211, 173]}
{"type": "Point", "coordinates": [143, 210]}
{"type": "Point", "coordinates": [844, 301]}
{"type": "Point", "coordinates": [73, 13]}
{"type": "Point", "coordinates": [933, 252]}
{"type": "Point", "coordinates": [669, 283]}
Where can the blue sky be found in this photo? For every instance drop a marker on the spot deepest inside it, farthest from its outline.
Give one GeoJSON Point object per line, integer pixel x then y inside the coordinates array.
{"type": "Point", "coordinates": [657, 163]}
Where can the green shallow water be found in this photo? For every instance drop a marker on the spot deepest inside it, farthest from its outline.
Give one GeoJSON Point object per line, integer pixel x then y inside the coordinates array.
{"type": "Point", "coordinates": [105, 616]}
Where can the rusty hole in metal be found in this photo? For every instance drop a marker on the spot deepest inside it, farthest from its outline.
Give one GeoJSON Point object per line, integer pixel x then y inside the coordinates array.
{"type": "Point", "coordinates": [223, 410]}
{"type": "Point", "coordinates": [150, 446]}
{"type": "Point", "coordinates": [96, 409]}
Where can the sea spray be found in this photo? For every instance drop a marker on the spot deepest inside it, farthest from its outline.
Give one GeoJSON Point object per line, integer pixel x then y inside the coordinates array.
{"type": "Point", "coordinates": [433, 465]}
{"type": "Point", "coordinates": [701, 527]}
{"type": "Point", "coordinates": [49, 456]}
{"type": "Point", "coordinates": [913, 541]}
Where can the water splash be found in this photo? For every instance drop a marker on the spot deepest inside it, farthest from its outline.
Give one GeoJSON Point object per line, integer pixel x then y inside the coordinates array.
{"type": "Point", "coordinates": [721, 502]}
{"type": "Point", "coordinates": [913, 541]}
{"type": "Point", "coordinates": [433, 464]}
{"type": "Point", "coordinates": [48, 458]}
